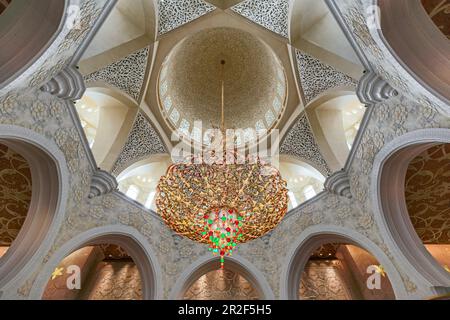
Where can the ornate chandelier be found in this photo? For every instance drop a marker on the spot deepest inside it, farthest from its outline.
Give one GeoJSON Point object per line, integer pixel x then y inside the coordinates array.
{"type": "Point", "coordinates": [222, 204]}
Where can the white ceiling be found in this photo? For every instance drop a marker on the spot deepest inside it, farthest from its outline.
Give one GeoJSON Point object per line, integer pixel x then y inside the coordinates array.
{"type": "Point", "coordinates": [312, 21]}
{"type": "Point", "coordinates": [126, 22]}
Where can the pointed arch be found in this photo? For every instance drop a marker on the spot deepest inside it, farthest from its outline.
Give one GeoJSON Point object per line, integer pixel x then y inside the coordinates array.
{"type": "Point", "coordinates": [208, 263]}
{"type": "Point", "coordinates": [302, 247]}
{"type": "Point", "coordinates": [135, 244]}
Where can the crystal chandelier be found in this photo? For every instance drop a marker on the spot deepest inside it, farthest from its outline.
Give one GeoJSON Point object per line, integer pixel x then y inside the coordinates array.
{"type": "Point", "coordinates": [222, 204]}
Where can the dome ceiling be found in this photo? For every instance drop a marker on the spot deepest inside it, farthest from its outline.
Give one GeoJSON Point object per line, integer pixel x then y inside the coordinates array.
{"type": "Point", "coordinates": [190, 81]}
{"type": "Point", "coordinates": [179, 79]}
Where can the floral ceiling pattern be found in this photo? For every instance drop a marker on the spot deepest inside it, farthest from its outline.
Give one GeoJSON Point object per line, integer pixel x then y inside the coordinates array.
{"type": "Point", "coordinates": [300, 142]}
{"type": "Point", "coordinates": [143, 141]}
{"type": "Point", "coordinates": [15, 193]}
{"type": "Point", "coordinates": [126, 74]}
{"type": "Point", "coordinates": [317, 77]}
{"type": "Point", "coordinates": [427, 191]}
{"type": "Point", "coordinates": [175, 13]}
{"type": "Point", "coordinates": [271, 14]}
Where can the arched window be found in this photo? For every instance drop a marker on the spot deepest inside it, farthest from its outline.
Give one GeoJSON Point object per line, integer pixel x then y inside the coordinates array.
{"type": "Point", "coordinates": [133, 192]}
{"type": "Point", "coordinates": [106, 116]}
{"type": "Point", "coordinates": [145, 175]}
{"type": "Point", "coordinates": [150, 199]}
{"type": "Point", "coordinates": [89, 117]}
{"type": "Point", "coordinates": [303, 181]}
{"type": "Point", "coordinates": [351, 119]}
{"type": "Point", "coordinates": [309, 192]}
{"type": "Point", "coordinates": [335, 120]}
{"type": "Point", "coordinates": [293, 200]}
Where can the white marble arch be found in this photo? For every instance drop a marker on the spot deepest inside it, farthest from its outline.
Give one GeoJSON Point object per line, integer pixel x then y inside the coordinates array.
{"type": "Point", "coordinates": [135, 244]}
{"type": "Point", "coordinates": [50, 185]}
{"type": "Point", "coordinates": [27, 29]}
{"type": "Point", "coordinates": [209, 263]}
{"type": "Point", "coordinates": [391, 213]}
{"type": "Point", "coordinates": [416, 43]}
{"type": "Point", "coordinates": [309, 240]}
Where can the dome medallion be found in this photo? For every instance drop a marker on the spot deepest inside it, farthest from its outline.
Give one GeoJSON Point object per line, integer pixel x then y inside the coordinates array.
{"type": "Point", "coordinates": [190, 84]}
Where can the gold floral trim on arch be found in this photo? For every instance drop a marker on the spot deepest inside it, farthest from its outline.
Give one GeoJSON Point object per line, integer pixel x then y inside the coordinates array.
{"type": "Point", "coordinates": [15, 193]}
{"type": "Point", "coordinates": [427, 192]}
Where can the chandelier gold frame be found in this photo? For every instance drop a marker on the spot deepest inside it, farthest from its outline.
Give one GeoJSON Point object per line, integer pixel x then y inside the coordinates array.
{"type": "Point", "coordinates": [221, 203]}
